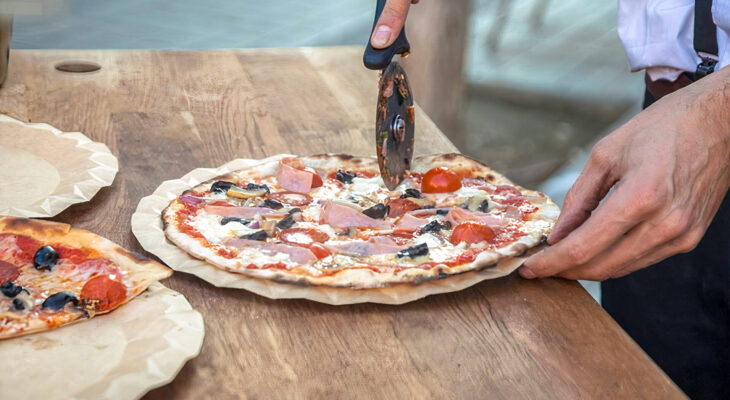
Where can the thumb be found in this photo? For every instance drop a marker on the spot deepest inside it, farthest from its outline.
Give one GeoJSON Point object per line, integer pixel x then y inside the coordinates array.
{"type": "Point", "coordinates": [390, 23]}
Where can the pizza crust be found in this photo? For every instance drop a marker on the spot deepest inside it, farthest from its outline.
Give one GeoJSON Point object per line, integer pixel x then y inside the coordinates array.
{"type": "Point", "coordinates": [537, 228]}
{"type": "Point", "coordinates": [143, 271]}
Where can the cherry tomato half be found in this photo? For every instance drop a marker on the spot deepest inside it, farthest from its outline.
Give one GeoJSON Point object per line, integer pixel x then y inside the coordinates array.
{"type": "Point", "coordinates": [440, 180]}
{"type": "Point", "coordinates": [471, 232]}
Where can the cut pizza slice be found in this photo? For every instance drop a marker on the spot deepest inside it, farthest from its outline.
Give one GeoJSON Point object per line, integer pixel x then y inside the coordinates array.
{"type": "Point", "coordinates": [53, 275]}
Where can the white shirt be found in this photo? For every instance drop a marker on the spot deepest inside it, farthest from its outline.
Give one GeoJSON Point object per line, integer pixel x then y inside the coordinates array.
{"type": "Point", "coordinates": [658, 35]}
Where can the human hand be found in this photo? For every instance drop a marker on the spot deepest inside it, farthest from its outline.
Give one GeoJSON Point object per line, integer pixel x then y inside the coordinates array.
{"type": "Point", "coordinates": [669, 168]}
{"type": "Point", "coordinates": [390, 23]}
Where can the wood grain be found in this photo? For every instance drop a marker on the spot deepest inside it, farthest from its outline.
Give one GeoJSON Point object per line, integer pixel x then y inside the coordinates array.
{"type": "Point", "coordinates": [165, 113]}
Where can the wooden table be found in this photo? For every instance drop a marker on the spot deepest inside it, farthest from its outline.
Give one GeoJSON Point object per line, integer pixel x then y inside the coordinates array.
{"type": "Point", "coordinates": [164, 113]}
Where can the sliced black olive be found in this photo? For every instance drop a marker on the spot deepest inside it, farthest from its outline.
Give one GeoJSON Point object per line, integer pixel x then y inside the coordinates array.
{"type": "Point", "coordinates": [45, 258]}
{"type": "Point", "coordinates": [415, 193]}
{"type": "Point", "coordinates": [221, 187]}
{"type": "Point", "coordinates": [377, 211]}
{"type": "Point", "coordinates": [295, 210]}
{"type": "Point", "coordinates": [258, 235]}
{"type": "Point", "coordinates": [286, 223]}
{"type": "Point", "coordinates": [442, 211]}
{"type": "Point", "coordinates": [433, 226]}
{"type": "Point", "coordinates": [18, 304]}
{"type": "Point", "coordinates": [345, 177]}
{"type": "Point", "coordinates": [59, 300]}
{"type": "Point", "coordinates": [9, 289]}
{"type": "Point", "coordinates": [273, 204]}
{"type": "Point", "coordinates": [414, 251]}
{"type": "Point", "coordinates": [235, 219]}
{"type": "Point", "coordinates": [483, 206]}
{"type": "Point", "coordinates": [253, 186]}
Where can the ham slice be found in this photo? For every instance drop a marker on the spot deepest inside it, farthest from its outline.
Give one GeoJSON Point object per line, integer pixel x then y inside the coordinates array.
{"type": "Point", "coordinates": [425, 212]}
{"type": "Point", "coordinates": [293, 179]}
{"type": "Point", "coordinates": [373, 246]}
{"type": "Point", "coordinates": [410, 223]}
{"type": "Point", "coordinates": [339, 216]}
{"type": "Point", "coordinates": [241, 212]}
{"type": "Point", "coordinates": [513, 212]}
{"type": "Point", "coordinates": [459, 215]}
{"type": "Point", "coordinates": [299, 255]}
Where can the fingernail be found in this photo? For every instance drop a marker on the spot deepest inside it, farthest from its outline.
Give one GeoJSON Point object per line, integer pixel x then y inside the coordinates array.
{"type": "Point", "coordinates": [526, 272]}
{"type": "Point", "coordinates": [382, 34]}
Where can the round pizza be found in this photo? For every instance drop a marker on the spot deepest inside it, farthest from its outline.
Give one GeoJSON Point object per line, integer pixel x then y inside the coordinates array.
{"type": "Point", "coordinates": [328, 220]}
{"type": "Point", "coordinates": [53, 275]}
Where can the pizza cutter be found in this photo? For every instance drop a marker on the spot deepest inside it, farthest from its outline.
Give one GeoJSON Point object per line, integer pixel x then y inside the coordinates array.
{"type": "Point", "coordinates": [394, 117]}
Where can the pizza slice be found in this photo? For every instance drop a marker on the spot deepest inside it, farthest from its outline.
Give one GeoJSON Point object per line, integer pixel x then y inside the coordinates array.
{"type": "Point", "coordinates": [53, 275]}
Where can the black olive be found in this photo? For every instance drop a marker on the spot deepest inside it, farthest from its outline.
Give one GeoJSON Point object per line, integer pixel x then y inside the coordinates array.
{"type": "Point", "coordinates": [18, 304]}
{"type": "Point", "coordinates": [433, 226]}
{"type": "Point", "coordinates": [415, 193]}
{"type": "Point", "coordinates": [234, 219]}
{"type": "Point", "coordinates": [59, 300]}
{"type": "Point", "coordinates": [253, 186]}
{"type": "Point", "coordinates": [295, 210]}
{"type": "Point", "coordinates": [221, 187]}
{"type": "Point", "coordinates": [9, 289]}
{"type": "Point", "coordinates": [377, 211]}
{"type": "Point", "coordinates": [442, 211]}
{"type": "Point", "coordinates": [258, 235]}
{"type": "Point", "coordinates": [273, 204]}
{"type": "Point", "coordinates": [45, 258]}
{"type": "Point", "coordinates": [414, 251]}
{"type": "Point", "coordinates": [483, 206]}
{"type": "Point", "coordinates": [286, 223]}
{"type": "Point", "coordinates": [345, 177]}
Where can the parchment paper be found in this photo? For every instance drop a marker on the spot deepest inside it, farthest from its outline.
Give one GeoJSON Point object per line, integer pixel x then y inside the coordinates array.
{"type": "Point", "coordinates": [117, 356]}
{"type": "Point", "coordinates": [44, 170]}
{"type": "Point", "coordinates": [147, 227]}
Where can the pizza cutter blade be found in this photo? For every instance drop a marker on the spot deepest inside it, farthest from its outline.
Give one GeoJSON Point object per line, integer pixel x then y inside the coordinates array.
{"type": "Point", "coordinates": [394, 125]}
{"type": "Point", "coordinates": [394, 120]}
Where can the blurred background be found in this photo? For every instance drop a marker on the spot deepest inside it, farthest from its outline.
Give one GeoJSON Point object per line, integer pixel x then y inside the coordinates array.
{"type": "Point", "coordinates": [526, 86]}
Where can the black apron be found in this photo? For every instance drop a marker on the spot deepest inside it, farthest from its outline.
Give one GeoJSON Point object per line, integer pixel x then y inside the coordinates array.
{"type": "Point", "coordinates": [678, 310]}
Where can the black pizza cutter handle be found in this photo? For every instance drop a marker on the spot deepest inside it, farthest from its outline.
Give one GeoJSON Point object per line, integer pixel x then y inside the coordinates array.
{"type": "Point", "coordinates": [380, 58]}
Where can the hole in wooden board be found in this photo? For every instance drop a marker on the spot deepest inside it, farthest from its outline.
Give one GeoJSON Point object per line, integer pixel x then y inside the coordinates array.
{"type": "Point", "coordinates": [78, 66]}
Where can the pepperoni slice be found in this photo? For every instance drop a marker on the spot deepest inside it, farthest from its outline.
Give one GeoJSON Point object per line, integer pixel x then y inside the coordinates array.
{"type": "Point", "coordinates": [28, 247]}
{"type": "Point", "coordinates": [291, 198]}
{"type": "Point", "coordinates": [318, 250]}
{"type": "Point", "coordinates": [103, 293]}
{"type": "Point", "coordinates": [471, 232]}
{"type": "Point", "coordinates": [303, 236]}
{"type": "Point", "coordinates": [8, 272]}
{"type": "Point", "coordinates": [399, 207]}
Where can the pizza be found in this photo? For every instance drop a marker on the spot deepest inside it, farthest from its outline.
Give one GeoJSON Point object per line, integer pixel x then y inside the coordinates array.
{"type": "Point", "coordinates": [328, 220]}
{"type": "Point", "coordinates": [53, 275]}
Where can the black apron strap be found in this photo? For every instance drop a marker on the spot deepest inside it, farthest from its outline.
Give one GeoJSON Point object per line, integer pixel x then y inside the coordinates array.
{"type": "Point", "coordinates": [705, 38]}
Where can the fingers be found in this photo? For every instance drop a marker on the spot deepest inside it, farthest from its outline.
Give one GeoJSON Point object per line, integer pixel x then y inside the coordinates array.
{"type": "Point", "coordinates": [592, 184]}
{"type": "Point", "coordinates": [600, 271]}
{"type": "Point", "coordinates": [651, 239]}
{"type": "Point", "coordinates": [390, 23]}
{"type": "Point", "coordinates": [629, 205]}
